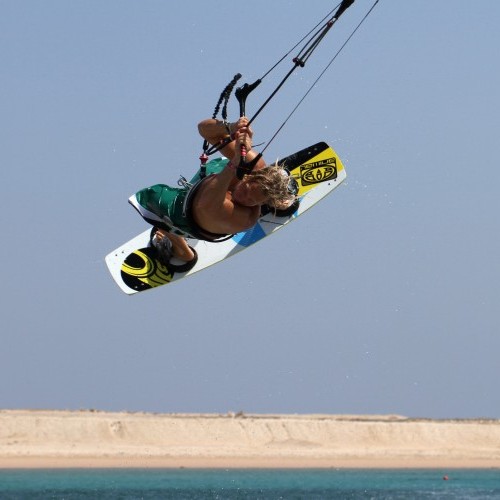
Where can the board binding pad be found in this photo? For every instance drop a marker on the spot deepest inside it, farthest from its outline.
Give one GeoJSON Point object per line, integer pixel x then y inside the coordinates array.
{"type": "Point", "coordinates": [134, 266]}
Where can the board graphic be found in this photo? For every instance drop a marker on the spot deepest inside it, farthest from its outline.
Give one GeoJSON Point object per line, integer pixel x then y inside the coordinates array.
{"type": "Point", "coordinates": [135, 268]}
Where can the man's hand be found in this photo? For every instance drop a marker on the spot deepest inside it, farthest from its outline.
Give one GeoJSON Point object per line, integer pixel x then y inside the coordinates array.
{"type": "Point", "coordinates": [243, 135]}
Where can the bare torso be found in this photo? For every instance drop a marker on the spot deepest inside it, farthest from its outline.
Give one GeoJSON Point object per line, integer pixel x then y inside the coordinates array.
{"type": "Point", "coordinates": [217, 212]}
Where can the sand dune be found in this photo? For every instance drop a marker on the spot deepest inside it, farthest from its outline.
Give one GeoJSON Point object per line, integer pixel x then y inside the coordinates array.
{"type": "Point", "coordinates": [35, 438]}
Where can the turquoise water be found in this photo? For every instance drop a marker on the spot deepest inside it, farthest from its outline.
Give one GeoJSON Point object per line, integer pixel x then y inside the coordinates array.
{"type": "Point", "coordinates": [193, 484]}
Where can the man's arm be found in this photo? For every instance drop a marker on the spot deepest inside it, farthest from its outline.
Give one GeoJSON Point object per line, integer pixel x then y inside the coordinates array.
{"type": "Point", "coordinates": [215, 130]}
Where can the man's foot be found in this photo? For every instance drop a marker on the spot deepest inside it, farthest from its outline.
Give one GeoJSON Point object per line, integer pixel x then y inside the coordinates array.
{"type": "Point", "coordinates": [162, 244]}
{"type": "Point", "coordinates": [165, 249]}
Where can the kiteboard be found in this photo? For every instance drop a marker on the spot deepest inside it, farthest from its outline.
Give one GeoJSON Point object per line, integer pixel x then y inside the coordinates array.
{"type": "Point", "coordinates": [318, 171]}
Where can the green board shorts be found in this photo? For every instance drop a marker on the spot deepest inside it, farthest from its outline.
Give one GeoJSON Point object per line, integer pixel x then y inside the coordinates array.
{"type": "Point", "coordinates": [165, 206]}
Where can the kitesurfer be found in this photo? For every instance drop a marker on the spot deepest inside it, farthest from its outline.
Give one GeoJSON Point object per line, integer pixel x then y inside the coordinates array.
{"type": "Point", "coordinates": [214, 207]}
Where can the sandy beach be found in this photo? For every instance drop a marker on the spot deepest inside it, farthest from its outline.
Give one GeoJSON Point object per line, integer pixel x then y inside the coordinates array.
{"type": "Point", "coordinates": [39, 438]}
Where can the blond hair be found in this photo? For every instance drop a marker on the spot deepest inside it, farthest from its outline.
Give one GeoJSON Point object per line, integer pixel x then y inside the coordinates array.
{"type": "Point", "coordinates": [273, 180]}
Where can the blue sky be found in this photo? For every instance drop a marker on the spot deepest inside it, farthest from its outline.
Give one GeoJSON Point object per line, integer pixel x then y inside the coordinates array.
{"type": "Point", "coordinates": [382, 299]}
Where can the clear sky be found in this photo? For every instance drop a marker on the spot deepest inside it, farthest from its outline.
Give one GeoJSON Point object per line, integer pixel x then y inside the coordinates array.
{"type": "Point", "coordinates": [384, 298]}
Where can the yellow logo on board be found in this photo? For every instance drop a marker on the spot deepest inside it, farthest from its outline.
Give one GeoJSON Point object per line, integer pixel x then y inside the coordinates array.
{"type": "Point", "coordinates": [318, 171]}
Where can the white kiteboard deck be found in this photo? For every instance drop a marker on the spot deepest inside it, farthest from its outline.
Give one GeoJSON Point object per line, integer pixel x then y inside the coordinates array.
{"type": "Point", "coordinates": [135, 268]}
